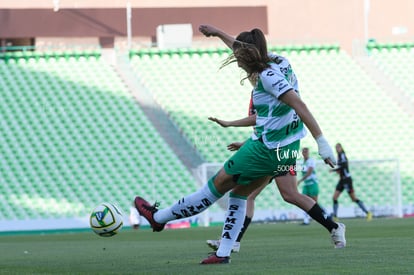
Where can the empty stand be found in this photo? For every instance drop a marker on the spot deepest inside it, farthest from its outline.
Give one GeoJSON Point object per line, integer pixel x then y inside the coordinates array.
{"type": "Point", "coordinates": [395, 60]}
{"type": "Point", "coordinates": [72, 136]}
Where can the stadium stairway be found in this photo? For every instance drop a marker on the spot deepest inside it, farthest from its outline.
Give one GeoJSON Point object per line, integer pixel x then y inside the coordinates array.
{"type": "Point", "coordinates": [183, 148]}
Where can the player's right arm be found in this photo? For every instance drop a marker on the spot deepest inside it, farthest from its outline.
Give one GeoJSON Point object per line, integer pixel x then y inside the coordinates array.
{"type": "Point", "coordinates": [244, 122]}
{"type": "Point", "coordinates": [308, 173]}
{"type": "Point", "coordinates": [209, 30]}
{"type": "Point", "coordinates": [234, 146]}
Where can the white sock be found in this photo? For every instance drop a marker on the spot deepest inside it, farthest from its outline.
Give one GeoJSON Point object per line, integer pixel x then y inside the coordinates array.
{"type": "Point", "coordinates": [232, 225]}
{"type": "Point", "coordinates": [190, 205]}
{"type": "Point", "coordinates": [306, 218]}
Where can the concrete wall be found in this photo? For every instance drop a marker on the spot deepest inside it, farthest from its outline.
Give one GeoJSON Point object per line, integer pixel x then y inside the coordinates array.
{"type": "Point", "coordinates": [293, 21]}
{"type": "Point", "coordinates": [111, 22]}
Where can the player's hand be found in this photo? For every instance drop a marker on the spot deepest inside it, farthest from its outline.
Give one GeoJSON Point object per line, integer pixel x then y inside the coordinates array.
{"type": "Point", "coordinates": [208, 30]}
{"type": "Point", "coordinates": [234, 146]}
{"type": "Point", "coordinates": [220, 122]}
{"type": "Point", "coordinates": [325, 151]}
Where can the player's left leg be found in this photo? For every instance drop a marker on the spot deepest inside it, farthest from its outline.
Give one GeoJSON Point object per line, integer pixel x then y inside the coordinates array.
{"type": "Point", "coordinates": [189, 205]}
{"type": "Point", "coordinates": [288, 190]}
{"type": "Point", "coordinates": [338, 190]}
{"type": "Point", "coordinates": [360, 204]}
{"type": "Point", "coordinates": [351, 193]}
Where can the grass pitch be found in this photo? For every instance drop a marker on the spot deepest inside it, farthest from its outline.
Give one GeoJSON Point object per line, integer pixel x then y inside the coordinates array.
{"type": "Point", "coordinates": [382, 246]}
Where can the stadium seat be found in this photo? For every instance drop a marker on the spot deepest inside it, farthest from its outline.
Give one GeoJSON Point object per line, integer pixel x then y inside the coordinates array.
{"type": "Point", "coordinates": [77, 115]}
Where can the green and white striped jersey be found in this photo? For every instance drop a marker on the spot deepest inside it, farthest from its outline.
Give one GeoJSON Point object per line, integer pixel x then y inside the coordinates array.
{"type": "Point", "coordinates": [277, 123]}
{"type": "Point", "coordinates": [306, 164]}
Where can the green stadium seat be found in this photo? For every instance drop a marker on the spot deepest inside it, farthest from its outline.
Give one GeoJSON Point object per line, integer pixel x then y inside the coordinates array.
{"type": "Point", "coordinates": [75, 113]}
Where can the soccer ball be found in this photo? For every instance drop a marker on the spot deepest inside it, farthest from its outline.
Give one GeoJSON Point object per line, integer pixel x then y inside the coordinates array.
{"type": "Point", "coordinates": [106, 220]}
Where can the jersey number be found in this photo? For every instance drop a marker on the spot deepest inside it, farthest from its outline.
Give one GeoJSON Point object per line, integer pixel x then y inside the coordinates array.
{"type": "Point", "coordinates": [292, 126]}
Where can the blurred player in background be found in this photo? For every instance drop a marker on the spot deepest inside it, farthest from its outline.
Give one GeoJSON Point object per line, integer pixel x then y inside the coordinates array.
{"type": "Point", "coordinates": [268, 152]}
{"type": "Point", "coordinates": [345, 182]}
{"type": "Point", "coordinates": [310, 181]}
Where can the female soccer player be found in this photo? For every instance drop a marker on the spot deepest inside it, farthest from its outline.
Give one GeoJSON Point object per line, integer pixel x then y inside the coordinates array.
{"type": "Point", "coordinates": [209, 30]}
{"type": "Point", "coordinates": [273, 147]}
{"type": "Point", "coordinates": [345, 182]}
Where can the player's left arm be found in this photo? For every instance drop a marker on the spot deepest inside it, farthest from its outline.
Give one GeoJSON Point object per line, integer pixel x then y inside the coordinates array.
{"type": "Point", "coordinates": [292, 99]}
{"type": "Point", "coordinates": [336, 169]}
{"type": "Point", "coordinates": [341, 163]}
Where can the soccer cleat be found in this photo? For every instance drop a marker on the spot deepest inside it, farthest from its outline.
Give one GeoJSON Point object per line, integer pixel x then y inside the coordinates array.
{"type": "Point", "coordinates": [335, 218]}
{"type": "Point", "coordinates": [338, 236]}
{"type": "Point", "coordinates": [214, 244]}
{"type": "Point", "coordinates": [147, 211]}
{"type": "Point", "coordinates": [236, 247]}
{"type": "Point", "coordinates": [214, 259]}
{"type": "Point", "coordinates": [369, 216]}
